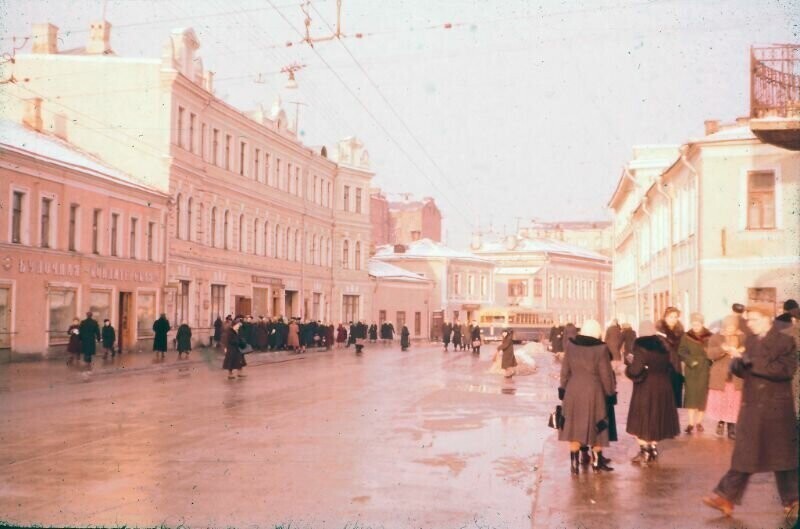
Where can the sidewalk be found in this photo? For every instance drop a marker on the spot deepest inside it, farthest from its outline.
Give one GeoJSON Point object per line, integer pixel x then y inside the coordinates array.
{"type": "Point", "coordinates": [23, 376]}
{"type": "Point", "coordinates": [666, 494]}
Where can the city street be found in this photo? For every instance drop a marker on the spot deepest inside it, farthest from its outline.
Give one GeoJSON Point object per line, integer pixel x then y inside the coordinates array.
{"type": "Point", "coordinates": [418, 439]}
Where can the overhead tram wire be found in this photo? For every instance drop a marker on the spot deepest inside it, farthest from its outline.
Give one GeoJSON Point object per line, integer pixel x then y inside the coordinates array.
{"type": "Point", "coordinates": [456, 208]}
{"type": "Point", "coordinates": [393, 109]}
{"type": "Point", "coordinates": [328, 108]}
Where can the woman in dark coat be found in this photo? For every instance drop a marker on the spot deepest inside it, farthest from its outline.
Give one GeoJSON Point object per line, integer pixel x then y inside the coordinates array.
{"type": "Point", "coordinates": [74, 344]}
{"type": "Point", "coordinates": [475, 336]}
{"type": "Point", "coordinates": [446, 330]}
{"type": "Point", "coordinates": [89, 333]}
{"type": "Point", "coordinates": [587, 381]}
{"type": "Point", "coordinates": [234, 359]}
{"type": "Point", "coordinates": [614, 339]}
{"type": "Point", "coordinates": [184, 339]}
{"type": "Point", "coordinates": [262, 334]}
{"type": "Point", "coordinates": [109, 337]}
{"type": "Point", "coordinates": [506, 348]}
{"type": "Point", "coordinates": [160, 328]}
{"type": "Point", "coordinates": [692, 351]}
{"type": "Point", "coordinates": [456, 336]}
{"type": "Point", "coordinates": [341, 335]}
{"type": "Point", "coordinates": [652, 415]}
{"type": "Point", "coordinates": [404, 338]}
{"type": "Point", "coordinates": [768, 438]}
{"type": "Point", "coordinates": [671, 331]}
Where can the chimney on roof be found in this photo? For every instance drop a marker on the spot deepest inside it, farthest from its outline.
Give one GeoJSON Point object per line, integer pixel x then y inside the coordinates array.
{"type": "Point", "coordinates": [712, 126]}
{"type": "Point", "coordinates": [45, 38]}
{"type": "Point", "coordinates": [32, 116]}
{"type": "Point", "coordinates": [99, 38]}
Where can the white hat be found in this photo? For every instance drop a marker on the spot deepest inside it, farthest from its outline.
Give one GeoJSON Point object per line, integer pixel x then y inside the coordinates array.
{"type": "Point", "coordinates": [591, 328]}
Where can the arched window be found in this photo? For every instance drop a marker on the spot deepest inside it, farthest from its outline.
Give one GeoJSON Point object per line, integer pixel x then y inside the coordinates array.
{"type": "Point", "coordinates": [201, 217]}
{"type": "Point", "coordinates": [256, 238]}
{"type": "Point", "coordinates": [189, 223]}
{"type": "Point", "coordinates": [358, 256]}
{"type": "Point", "coordinates": [213, 230]}
{"type": "Point", "coordinates": [242, 234]}
{"type": "Point", "coordinates": [226, 224]}
{"type": "Point", "coordinates": [276, 245]}
{"type": "Point", "coordinates": [178, 216]}
{"type": "Point", "coordinates": [346, 255]}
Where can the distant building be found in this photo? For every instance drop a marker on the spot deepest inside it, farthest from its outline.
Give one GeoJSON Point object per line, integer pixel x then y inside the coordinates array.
{"type": "Point", "coordinates": [404, 221]}
{"type": "Point", "coordinates": [463, 283]}
{"type": "Point", "coordinates": [400, 297]}
{"type": "Point", "coordinates": [592, 235]}
{"type": "Point", "coordinates": [706, 225]}
{"type": "Point", "coordinates": [559, 282]}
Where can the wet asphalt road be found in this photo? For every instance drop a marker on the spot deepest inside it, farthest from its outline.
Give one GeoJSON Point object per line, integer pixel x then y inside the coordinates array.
{"type": "Point", "coordinates": [421, 439]}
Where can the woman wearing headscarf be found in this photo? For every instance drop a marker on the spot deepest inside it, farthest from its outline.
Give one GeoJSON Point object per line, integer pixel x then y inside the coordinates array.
{"type": "Point", "coordinates": [404, 338]}
{"type": "Point", "coordinates": [506, 348]}
{"type": "Point", "coordinates": [692, 351]}
{"type": "Point", "coordinates": [234, 359]}
{"type": "Point", "coordinates": [725, 388]}
{"type": "Point", "coordinates": [74, 344]}
{"type": "Point", "coordinates": [652, 415]}
{"type": "Point", "coordinates": [341, 335]}
{"type": "Point", "coordinates": [670, 330]}
{"type": "Point", "coordinates": [587, 381]}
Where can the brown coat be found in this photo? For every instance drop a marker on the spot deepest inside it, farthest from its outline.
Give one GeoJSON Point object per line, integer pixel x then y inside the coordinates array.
{"type": "Point", "coordinates": [587, 379]}
{"type": "Point", "coordinates": [507, 349]}
{"type": "Point", "coordinates": [720, 368]}
{"type": "Point", "coordinates": [766, 436]}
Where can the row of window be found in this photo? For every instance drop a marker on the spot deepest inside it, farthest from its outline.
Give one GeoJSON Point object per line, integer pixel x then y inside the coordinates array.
{"type": "Point", "coordinates": [108, 231]}
{"type": "Point", "coordinates": [256, 163]}
{"type": "Point", "coordinates": [457, 287]}
{"type": "Point", "coordinates": [400, 320]}
{"type": "Point", "coordinates": [569, 288]}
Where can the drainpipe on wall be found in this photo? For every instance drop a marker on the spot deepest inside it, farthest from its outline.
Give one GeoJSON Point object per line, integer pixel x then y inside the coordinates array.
{"type": "Point", "coordinates": [659, 181]}
{"type": "Point", "coordinates": [684, 149]}
{"type": "Point", "coordinates": [636, 283]}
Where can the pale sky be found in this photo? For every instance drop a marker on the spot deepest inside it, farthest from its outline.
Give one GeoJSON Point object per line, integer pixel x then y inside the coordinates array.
{"type": "Point", "coordinates": [523, 109]}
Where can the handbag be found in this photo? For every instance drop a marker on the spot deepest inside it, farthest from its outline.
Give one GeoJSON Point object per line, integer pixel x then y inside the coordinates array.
{"type": "Point", "coordinates": [476, 343]}
{"type": "Point", "coordinates": [556, 420]}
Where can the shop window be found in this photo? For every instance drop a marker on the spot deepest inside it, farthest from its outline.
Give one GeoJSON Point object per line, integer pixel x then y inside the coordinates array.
{"type": "Point", "coordinates": [100, 305]}
{"type": "Point", "coordinates": [62, 305]}
{"type": "Point", "coordinates": [145, 313]}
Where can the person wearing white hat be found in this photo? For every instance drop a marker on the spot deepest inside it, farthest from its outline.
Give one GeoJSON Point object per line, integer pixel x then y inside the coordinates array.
{"type": "Point", "coordinates": [587, 381]}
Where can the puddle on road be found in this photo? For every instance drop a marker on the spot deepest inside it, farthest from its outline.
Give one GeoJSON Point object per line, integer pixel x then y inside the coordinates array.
{"type": "Point", "coordinates": [454, 462]}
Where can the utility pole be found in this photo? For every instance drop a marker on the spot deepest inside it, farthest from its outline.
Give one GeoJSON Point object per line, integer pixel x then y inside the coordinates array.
{"type": "Point", "coordinates": [297, 105]}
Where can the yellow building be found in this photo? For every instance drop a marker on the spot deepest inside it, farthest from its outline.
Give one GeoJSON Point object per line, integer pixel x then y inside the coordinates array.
{"type": "Point", "coordinates": [712, 224]}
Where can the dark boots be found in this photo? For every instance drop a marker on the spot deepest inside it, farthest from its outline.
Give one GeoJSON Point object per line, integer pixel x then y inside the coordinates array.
{"type": "Point", "coordinates": [575, 462]}
{"type": "Point", "coordinates": [647, 453]}
{"type": "Point", "coordinates": [732, 431]}
{"type": "Point", "coordinates": [599, 462]}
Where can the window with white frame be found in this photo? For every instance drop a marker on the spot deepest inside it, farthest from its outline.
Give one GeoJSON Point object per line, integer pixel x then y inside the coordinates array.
{"type": "Point", "coordinates": [115, 240]}
{"type": "Point", "coordinates": [72, 234]}
{"type": "Point", "coordinates": [133, 249]}
{"type": "Point", "coordinates": [19, 217]}
{"type": "Point", "coordinates": [760, 200]}
{"type": "Point", "coordinates": [46, 221]}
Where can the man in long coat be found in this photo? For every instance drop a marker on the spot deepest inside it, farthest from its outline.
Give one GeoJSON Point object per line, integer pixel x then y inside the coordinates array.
{"type": "Point", "coordinates": [767, 439]}
{"type": "Point", "coordinates": [160, 329]}
{"type": "Point", "coordinates": [446, 330]}
{"type": "Point", "coordinates": [89, 333]}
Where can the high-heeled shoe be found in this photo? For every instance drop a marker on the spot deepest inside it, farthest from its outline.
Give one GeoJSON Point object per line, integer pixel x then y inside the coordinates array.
{"type": "Point", "coordinates": [598, 464]}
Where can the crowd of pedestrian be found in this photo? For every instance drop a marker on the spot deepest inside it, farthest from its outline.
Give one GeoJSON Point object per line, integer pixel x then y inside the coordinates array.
{"type": "Point", "coordinates": [463, 336]}
{"type": "Point", "coordinates": [743, 375]}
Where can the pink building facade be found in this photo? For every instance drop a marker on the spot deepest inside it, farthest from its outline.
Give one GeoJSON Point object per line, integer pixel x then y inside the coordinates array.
{"type": "Point", "coordinates": [257, 222]}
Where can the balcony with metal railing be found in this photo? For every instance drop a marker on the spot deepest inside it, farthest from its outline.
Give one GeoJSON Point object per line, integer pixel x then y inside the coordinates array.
{"type": "Point", "coordinates": [775, 94]}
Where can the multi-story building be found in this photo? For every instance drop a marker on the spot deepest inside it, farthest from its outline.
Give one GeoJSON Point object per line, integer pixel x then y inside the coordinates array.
{"type": "Point", "coordinates": [258, 222]}
{"type": "Point", "coordinates": [463, 283]}
{"type": "Point", "coordinates": [708, 226]}
{"type": "Point", "coordinates": [76, 235]}
{"type": "Point", "coordinates": [559, 282]}
{"type": "Point", "coordinates": [404, 221]}
{"type": "Point", "coordinates": [400, 297]}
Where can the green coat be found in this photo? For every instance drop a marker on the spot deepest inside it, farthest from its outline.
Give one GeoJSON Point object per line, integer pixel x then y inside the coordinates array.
{"type": "Point", "coordinates": [697, 366]}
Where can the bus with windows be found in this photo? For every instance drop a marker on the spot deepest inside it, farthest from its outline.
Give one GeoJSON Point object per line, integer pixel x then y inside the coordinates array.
{"type": "Point", "coordinates": [528, 325]}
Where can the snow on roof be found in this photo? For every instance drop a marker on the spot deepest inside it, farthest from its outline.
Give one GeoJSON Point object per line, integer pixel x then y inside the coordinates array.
{"type": "Point", "coordinates": [518, 271]}
{"type": "Point", "coordinates": [541, 246]}
{"type": "Point", "coordinates": [384, 270]}
{"type": "Point", "coordinates": [17, 137]}
{"type": "Point", "coordinates": [426, 248]}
